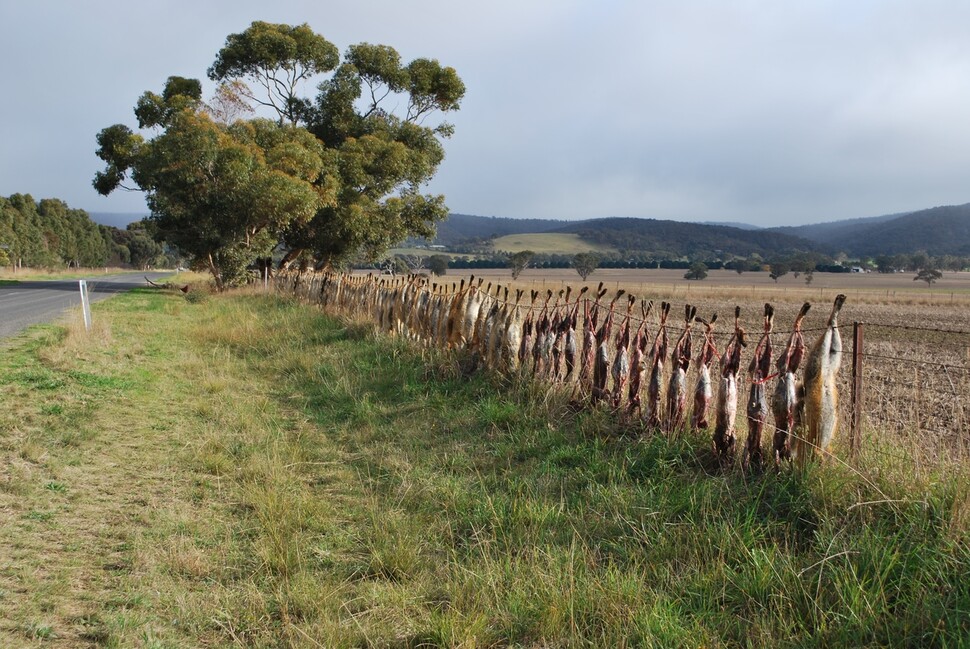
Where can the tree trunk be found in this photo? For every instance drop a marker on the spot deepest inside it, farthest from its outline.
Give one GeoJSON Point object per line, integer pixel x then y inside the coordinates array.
{"type": "Point", "coordinates": [216, 275]}
{"type": "Point", "coordinates": [289, 257]}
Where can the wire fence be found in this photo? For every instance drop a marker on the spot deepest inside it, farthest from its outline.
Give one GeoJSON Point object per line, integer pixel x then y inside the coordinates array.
{"type": "Point", "coordinates": [902, 387]}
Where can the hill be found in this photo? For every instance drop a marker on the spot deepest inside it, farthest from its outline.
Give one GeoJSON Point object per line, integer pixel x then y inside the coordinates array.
{"type": "Point", "coordinates": [674, 239]}
{"type": "Point", "coordinates": [941, 230]}
{"type": "Point", "coordinates": [832, 233]}
{"type": "Point", "coordinates": [938, 231]}
{"type": "Point", "coordinates": [667, 238]}
{"type": "Point", "coordinates": [462, 227]}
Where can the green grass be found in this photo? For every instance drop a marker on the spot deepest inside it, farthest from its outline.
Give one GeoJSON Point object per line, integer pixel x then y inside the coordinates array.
{"type": "Point", "coordinates": [247, 472]}
{"type": "Point", "coordinates": [548, 242]}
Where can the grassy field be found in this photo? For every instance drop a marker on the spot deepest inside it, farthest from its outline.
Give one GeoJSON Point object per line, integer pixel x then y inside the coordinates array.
{"type": "Point", "coordinates": [548, 242]}
{"type": "Point", "coordinates": [244, 471]}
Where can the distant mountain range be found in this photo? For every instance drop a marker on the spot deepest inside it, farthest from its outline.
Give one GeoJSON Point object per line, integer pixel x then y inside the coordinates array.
{"type": "Point", "coordinates": [936, 231]}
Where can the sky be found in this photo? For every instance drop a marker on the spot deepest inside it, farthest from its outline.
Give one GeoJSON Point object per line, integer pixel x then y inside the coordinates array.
{"type": "Point", "coordinates": [754, 111]}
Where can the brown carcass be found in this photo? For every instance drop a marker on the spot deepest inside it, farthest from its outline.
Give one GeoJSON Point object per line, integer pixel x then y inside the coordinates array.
{"type": "Point", "coordinates": [704, 388]}
{"type": "Point", "coordinates": [726, 407]}
{"type": "Point", "coordinates": [759, 373]}
{"type": "Point", "coordinates": [528, 331]}
{"type": "Point", "coordinates": [601, 365]}
{"type": "Point", "coordinates": [821, 392]}
{"type": "Point", "coordinates": [621, 360]}
{"type": "Point", "coordinates": [558, 334]}
{"type": "Point", "coordinates": [657, 354]}
{"type": "Point", "coordinates": [570, 346]}
{"type": "Point", "coordinates": [784, 401]}
{"type": "Point", "coordinates": [590, 319]}
{"type": "Point", "coordinates": [679, 364]}
{"type": "Point", "coordinates": [637, 364]}
{"type": "Point", "coordinates": [540, 349]}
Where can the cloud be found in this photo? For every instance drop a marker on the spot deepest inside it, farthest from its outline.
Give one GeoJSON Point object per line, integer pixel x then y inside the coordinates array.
{"type": "Point", "coordinates": [753, 110]}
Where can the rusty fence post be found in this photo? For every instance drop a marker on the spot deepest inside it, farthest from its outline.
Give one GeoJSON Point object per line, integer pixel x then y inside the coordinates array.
{"type": "Point", "coordinates": [855, 441]}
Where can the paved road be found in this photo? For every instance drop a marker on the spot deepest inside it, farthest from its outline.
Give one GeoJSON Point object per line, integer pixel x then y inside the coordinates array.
{"type": "Point", "coordinates": [33, 302]}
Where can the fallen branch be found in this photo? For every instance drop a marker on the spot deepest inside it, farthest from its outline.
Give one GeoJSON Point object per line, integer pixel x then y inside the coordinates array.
{"type": "Point", "coordinates": [168, 285]}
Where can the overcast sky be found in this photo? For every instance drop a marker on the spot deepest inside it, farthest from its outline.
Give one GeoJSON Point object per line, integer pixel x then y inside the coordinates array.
{"type": "Point", "coordinates": [757, 111]}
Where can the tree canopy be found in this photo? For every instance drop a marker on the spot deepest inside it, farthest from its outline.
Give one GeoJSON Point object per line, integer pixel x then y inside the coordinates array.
{"type": "Point", "coordinates": [325, 180]}
{"type": "Point", "coordinates": [928, 275]}
{"type": "Point", "coordinates": [277, 58]}
{"type": "Point", "coordinates": [697, 271]}
{"type": "Point", "coordinates": [585, 263]}
{"type": "Point", "coordinates": [48, 233]}
{"type": "Point", "coordinates": [519, 262]}
{"type": "Point", "coordinates": [438, 264]}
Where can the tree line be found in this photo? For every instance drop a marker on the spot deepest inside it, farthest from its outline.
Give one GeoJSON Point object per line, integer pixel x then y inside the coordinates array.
{"type": "Point", "coordinates": [49, 234]}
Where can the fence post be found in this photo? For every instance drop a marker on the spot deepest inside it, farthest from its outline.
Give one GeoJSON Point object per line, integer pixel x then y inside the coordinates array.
{"type": "Point", "coordinates": [855, 441]}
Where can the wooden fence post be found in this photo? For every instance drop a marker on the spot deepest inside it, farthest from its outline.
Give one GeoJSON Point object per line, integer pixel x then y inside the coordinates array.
{"type": "Point", "coordinates": [855, 441]}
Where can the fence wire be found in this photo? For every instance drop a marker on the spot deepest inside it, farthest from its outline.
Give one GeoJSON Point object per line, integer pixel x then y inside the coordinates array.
{"type": "Point", "coordinates": [915, 379]}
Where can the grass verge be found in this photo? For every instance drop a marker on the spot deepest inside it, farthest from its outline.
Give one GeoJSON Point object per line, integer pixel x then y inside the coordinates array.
{"type": "Point", "coordinates": [244, 471]}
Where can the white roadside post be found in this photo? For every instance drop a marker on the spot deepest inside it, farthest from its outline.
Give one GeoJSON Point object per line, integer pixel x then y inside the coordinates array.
{"type": "Point", "coordinates": [85, 304]}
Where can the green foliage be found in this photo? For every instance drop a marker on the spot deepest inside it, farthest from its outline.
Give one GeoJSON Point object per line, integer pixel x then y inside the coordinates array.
{"type": "Point", "coordinates": [928, 275]}
{"type": "Point", "coordinates": [48, 234]}
{"type": "Point", "coordinates": [697, 271]}
{"type": "Point", "coordinates": [179, 94]}
{"type": "Point", "coordinates": [438, 264]}
{"type": "Point", "coordinates": [519, 262]}
{"type": "Point", "coordinates": [245, 183]}
{"type": "Point", "coordinates": [278, 58]}
{"type": "Point", "coordinates": [778, 268]}
{"type": "Point", "coordinates": [585, 263]}
{"type": "Point", "coordinates": [333, 179]}
{"type": "Point", "coordinates": [400, 266]}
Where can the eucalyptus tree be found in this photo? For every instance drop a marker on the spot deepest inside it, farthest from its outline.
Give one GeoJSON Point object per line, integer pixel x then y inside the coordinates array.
{"type": "Point", "coordinates": [928, 275]}
{"type": "Point", "coordinates": [328, 178]}
{"type": "Point", "coordinates": [372, 113]}
{"type": "Point", "coordinates": [519, 261]}
{"type": "Point", "coordinates": [585, 263]}
{"type": "Point", "coordinates": [220, 193]}
{"type": "Point", "coordinates": [697, 271]}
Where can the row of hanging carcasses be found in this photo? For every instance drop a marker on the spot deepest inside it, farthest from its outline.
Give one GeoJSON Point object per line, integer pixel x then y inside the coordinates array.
{"type": "Point", "coordinates": [600, 348]}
